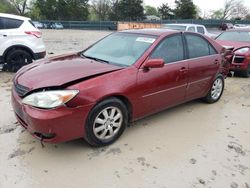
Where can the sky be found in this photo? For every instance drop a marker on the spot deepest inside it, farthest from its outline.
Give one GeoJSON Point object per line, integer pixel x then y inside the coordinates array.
{"type": "Point", "coordinates": [205, 5]}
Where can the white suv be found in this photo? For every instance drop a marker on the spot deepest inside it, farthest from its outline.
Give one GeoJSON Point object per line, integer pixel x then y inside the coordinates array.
{"type": "Point", "coordinates": [190, 27]}
{"type": "Point", "coordinates": [20, 42]}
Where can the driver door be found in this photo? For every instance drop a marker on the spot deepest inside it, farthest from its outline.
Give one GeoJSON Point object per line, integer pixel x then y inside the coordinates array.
{"type": "Point", "coordinates": [166, 86]}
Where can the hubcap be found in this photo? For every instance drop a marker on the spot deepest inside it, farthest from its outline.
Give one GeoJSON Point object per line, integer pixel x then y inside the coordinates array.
{"type": "Point", "coordinates": [107, 123]}
{"type": "Point", "coordinates": [217, 89]}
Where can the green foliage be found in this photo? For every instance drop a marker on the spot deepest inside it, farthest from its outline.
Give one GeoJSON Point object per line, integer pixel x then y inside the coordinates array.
{"type": "Point", "coordinates": [127, 10]}
{"type": "Point", "coordinates": [6, 7]}
{"type": "Point", "coordinates": [149, 10]}
{"type": "Point", "coordinates": [100, 9]}
{"type": "Point", "coordinates": [185, 9]}
{"type": "Point", "coordinates": [165, 11]}
{"type": "Point", "coordinates": [62, 9]}
{"type": "Point", "coordinates": [217, 14]}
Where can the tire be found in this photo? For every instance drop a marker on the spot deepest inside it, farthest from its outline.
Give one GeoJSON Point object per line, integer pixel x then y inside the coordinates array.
{"type": "Point", "coordinates": [16, 59]}
{"type": "Point", "coordinates": [104, 124]}
{"type": "Point", "coordinates": [246, 73]}
{"type": "Point", "coordinates": [216, 90]}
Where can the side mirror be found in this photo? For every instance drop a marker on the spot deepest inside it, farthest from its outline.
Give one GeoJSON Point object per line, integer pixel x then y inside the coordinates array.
{"type": "Point", "coordinates": [154, 63]}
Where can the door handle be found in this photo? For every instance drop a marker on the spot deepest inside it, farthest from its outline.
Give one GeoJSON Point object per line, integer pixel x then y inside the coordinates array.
{"type": "Point", "coordinates": [216, 62]}
{"type": "Point", "coordinates": [3, 35]}
{"type": "Point", "coordinates": [183, 70]}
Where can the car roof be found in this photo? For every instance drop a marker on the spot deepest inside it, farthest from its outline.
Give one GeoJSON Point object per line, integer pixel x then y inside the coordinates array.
{"type": "Point", "coordinates": [13, 16]}
{"type": "Point", "coordinates": [185, 24]}
{"type": "Point", "coordinates": [151, 31]}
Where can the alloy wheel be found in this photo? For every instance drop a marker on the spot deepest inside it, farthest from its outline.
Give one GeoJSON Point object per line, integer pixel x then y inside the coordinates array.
{"type": "Point", "coordinates": [107, 123]}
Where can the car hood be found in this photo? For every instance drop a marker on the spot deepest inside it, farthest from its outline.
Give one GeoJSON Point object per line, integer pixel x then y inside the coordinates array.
{"type": "Point", "coordinates": [233, 44]}
{"type": "Point", "coordinates": [60, 70]}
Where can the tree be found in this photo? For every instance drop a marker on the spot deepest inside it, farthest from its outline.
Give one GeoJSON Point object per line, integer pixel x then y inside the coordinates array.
{"type": "Point", "coordinates": [20, 5]}
{"type": "Point", "coordinates": [232, 9]}
{"type": "Point", "coordinates": [165, 11]}
{"type": "Point", "coordinates": [185, 9]}
{"type": "Point", "coordinates": [149, 10]}
{"type": "Point", "coordinates": [63, 9]}
{"type": "Point", "coordinates": [247, 17]}
{"type": "Point", "coordinates": [217, 14]}
{"type": "Point", "coordinates": [128, 10]}
{"type": "Point", "coordinates": [6, 7]}
{"type": "Point", "coordinates": [101, 8]}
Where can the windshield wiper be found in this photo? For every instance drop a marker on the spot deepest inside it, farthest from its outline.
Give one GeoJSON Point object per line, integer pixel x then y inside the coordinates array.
{"type": "Point", "coordinates": [96, 59]}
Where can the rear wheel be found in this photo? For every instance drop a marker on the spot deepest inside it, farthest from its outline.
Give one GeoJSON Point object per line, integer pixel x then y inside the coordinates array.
{"type": "Point", "coordinates": [106, 122]}
{"type": "Point", "coordinates": [216, 90]}
{"type": "Point", "coordinates": [16, 59]}
{"type": "Point", "coordinates": [246, 73]}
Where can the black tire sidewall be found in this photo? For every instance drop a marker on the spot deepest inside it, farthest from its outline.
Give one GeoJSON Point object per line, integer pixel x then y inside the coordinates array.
{"type": "Point", "coordinates": [247, 72]}
{"type": "Point", "coordinates": [12, 54]}
{"type": "Point", "coordinates": [89, 134]}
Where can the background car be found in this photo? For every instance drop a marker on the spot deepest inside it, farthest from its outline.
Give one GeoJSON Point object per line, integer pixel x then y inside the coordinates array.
{"type": "Point", "coordinates": [56, 25]}
{"type": "Point", "coordinates": [123, 77]}
{"type": "Point", "coordinates": [241, 26]}
{"type": "Point", "coordinates": [38, 25]}
{"type": "Point", "coordinates": [190, 27]}
{"type": "Point", "coordinates": [239, 40]}
{"type": "Point", "coordinates": [225, 26]}
{"type": "Point", "coordinates": [20, 42]}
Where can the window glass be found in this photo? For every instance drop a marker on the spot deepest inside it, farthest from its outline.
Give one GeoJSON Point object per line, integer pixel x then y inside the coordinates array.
{"type": "Point", "coordinates": [122, 49]}
{"type": "Point", "coordinates": [9, 23]}
{"type": "Point", "coordinates": [197, 46]}
{"type": "Point", "coordinates": [237, 36]}
{"type": "Point", "coordinates": [1, 23]}
{"type": "Point", "coordinates": [191, 29]}
{"type": "Point", "coordinates": [212, 50]}
{"type": "Point", "coordinates": [175, 27]}
{"type": "Point", "coordinates": [170, 50]}
{"type": "Point", "coordinates": [201, 30]}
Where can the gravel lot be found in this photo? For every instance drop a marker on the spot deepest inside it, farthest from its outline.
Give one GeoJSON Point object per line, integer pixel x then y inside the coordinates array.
{"type": "Point", "coordinates": [192, 145]}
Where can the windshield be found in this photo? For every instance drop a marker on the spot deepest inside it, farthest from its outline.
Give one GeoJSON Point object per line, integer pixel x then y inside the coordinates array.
{"type": "Point", "coordinates": [176, 27]}
{"type": "Point", "coordinates": [123, 49]}
{"type": "Point", "coordinates": [237, 36]}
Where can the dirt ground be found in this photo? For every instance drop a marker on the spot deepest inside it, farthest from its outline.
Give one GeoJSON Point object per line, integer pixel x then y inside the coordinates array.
{"type": "Point", "coordinates": [192, 145]}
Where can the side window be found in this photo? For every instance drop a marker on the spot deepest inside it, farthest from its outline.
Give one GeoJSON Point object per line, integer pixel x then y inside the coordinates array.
{"type": "Point", "coordinates": [9, 23]}
{"type": "Point", "coordinates": [1, 23]}
{"type": "Point", "coordinates": [170, 49]}
{"type": "Point", "coordinates": [191, 29]}
{"type": "Point", "coordinates": [197, 46]}
{"type": "Point", "coordinates": [212, 50]}
{"type": "Point", "coordinates": [201, 30]}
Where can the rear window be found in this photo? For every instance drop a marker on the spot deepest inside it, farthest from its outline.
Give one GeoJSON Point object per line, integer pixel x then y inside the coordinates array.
{"type": "Point", "coordinates": [237, 36]}
{"type": "Point", "coordinates": [176, 27]}
{"type": "Point", "coordinates": [9, 23]}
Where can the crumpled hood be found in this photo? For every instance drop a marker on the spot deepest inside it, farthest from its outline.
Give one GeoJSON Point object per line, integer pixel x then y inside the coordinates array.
{"type": "Point", "coordinates": [60, 70]}
{"type": "Point", "coordinates": [236, 45]}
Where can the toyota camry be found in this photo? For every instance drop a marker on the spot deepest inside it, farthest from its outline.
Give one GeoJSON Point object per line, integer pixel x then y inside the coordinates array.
{"type": "Point", "coordinates": [94, 94]}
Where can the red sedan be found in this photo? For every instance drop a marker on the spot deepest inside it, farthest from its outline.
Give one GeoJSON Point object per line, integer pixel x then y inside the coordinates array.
{"type": "Point", "coordinates": [96, 93]}
{"type": "Point", "coordinates": [239, 40]}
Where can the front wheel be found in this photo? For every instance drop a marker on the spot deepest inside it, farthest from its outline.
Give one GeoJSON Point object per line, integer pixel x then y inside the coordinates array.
{"type": "Point", "coordinates": [216, 90]}
{"type": "Point", "coordinates": [16, 59]}
{"type": "Point", "coordinates": [246, 73]}
{"type": "Point", "coordinates": [106, 122]}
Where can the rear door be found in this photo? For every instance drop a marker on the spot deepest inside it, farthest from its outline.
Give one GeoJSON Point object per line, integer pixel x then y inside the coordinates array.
{"type": "Point", "coordinates": [203, 65]}
{"type": "Point", "coordinates": [166, 86]}
{"type": "Point", "coordinates": [8, 30]}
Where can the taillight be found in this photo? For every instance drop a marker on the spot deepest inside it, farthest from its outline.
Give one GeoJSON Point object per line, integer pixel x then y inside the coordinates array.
{"type": "Point", "coordinates": [37, 34]}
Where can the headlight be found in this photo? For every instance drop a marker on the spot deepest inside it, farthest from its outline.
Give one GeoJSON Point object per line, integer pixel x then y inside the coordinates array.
{"type": "Point", "coordinates": [50, 99]}
{"type": "Point", "coordinates": [242, 50]}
